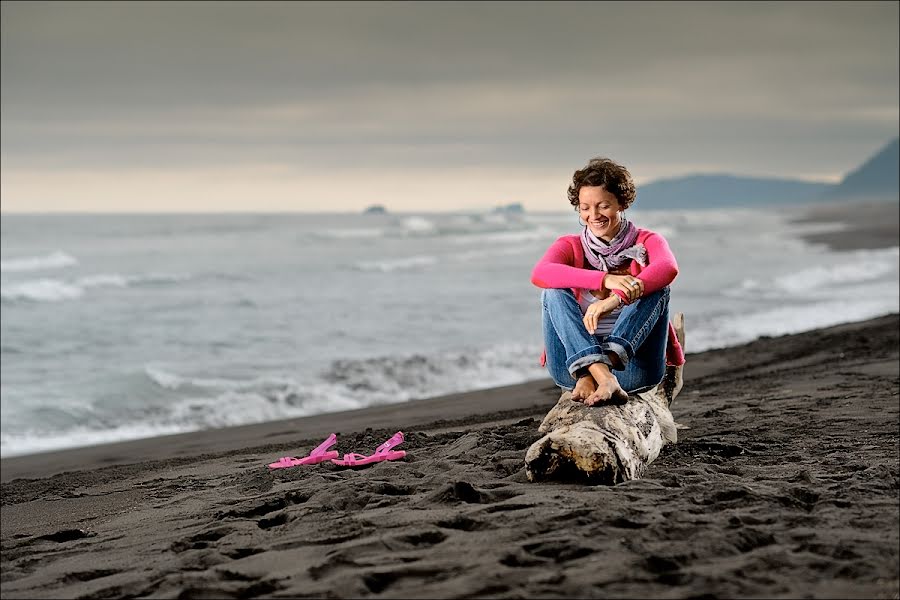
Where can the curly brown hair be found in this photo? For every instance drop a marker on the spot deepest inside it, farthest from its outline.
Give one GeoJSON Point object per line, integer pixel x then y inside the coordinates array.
{"type": "Point", "coordinates": [614, 178]}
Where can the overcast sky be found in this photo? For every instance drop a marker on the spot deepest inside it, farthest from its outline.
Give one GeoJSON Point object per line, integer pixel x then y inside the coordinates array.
{"type": "Point", "coordinates": [427, 106]}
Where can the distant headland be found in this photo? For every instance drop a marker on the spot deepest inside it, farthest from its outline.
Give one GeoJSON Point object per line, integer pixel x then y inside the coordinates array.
{"type": "Point", "coordinates": [512, 208]}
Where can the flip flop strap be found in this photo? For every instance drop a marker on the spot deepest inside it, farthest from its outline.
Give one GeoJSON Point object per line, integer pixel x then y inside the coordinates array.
{"type": "Point", "coordinates": [395, 440]}
{"type": "Point", "coordinates": [324, 446]}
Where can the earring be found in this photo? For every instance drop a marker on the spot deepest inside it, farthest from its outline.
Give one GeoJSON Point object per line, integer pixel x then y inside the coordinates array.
{"type": "Point", "coordinates": [580, 222]}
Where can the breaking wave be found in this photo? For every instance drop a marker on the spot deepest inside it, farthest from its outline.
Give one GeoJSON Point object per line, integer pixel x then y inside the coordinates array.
{"type": "Point", "coordinates": [199, 403]}
{"type": "Point", "coordinates": [57, 290]}
{"type": "Point", "coordinates": [56, 260]}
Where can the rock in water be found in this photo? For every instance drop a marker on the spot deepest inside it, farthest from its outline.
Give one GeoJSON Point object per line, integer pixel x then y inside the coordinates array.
{"type": "Point", "coordinates": [607, 443]}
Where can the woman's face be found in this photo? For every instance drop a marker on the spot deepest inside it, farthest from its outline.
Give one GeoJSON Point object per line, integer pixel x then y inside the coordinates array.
{"type": "Point", "coordinates": [600, 210]}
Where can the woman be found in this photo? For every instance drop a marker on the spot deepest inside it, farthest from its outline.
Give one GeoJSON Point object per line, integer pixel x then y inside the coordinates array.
{"type": "Point", "coordinates": [606, 294]}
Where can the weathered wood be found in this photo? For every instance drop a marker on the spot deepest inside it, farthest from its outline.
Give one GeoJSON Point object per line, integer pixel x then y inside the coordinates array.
{"type": "Point", "coordinates": [607, 443]}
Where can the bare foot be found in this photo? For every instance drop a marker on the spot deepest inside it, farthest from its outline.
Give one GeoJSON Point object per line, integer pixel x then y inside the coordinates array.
{"type": "Point", "coordinates": [607, 386]}
{"type": "Point", "coordinates": [584, 388]}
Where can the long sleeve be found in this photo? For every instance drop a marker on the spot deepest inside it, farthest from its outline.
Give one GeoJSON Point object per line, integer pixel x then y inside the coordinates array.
{"type": "Point", "coordinates": [556, 269]}
{"type": "Point", "coordinates": [662, 268]}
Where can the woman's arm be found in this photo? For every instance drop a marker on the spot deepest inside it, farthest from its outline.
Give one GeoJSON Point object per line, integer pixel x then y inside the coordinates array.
{"type": "Point", "coordinates": [556, 270]}
{"type": "Point", "coordinates": [661, 268]}
{"type": "Point", "coordinates": [660, 271]}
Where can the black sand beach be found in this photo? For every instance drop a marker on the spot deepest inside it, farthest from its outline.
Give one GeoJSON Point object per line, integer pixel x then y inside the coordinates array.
{"type": "Point", "coordinates": [784, 483]}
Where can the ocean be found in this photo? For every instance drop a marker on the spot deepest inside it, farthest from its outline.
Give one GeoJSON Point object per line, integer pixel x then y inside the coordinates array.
{"type": "Point", "coordinates": [118, 327]}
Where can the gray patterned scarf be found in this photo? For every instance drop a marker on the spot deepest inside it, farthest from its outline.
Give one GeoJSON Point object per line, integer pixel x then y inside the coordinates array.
{"type": "Point", "coordinates": [605, 256]}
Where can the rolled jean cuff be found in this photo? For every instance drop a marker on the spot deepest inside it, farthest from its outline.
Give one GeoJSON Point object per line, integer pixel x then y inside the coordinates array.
{"type": "Point", "coordinates": [586, 357]}
{"type": "Point", "coordinates": [620, 351]}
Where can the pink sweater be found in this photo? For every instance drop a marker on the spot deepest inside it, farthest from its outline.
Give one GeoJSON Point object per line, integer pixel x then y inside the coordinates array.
{"type": "Point", "coordinates": [562, 266]}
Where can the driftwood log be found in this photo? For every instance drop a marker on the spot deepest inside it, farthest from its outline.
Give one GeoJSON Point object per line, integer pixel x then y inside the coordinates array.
{"type": "Point", "coordinates": [611, 442]}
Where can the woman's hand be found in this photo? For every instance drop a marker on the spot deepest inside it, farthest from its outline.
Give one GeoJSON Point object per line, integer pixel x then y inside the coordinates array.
{"type": "Point", "coordinates": [598, 310]}
{"type": "Point", "coordinates": [631, 285]}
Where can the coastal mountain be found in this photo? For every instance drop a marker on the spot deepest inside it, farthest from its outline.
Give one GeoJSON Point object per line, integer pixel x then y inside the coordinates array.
{"type": "Point", "coordinates": [875, 179]}
{"type": "Point", "coordinates": [723, 191]}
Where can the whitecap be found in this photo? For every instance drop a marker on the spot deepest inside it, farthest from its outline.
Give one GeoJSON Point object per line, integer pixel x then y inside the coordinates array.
{"type": "Point", "coordinates": [41, 290]}
{"type": "Point", "coordinates": [172, 381]}
{"type": "Point", "coordinates": [417, 226]}
{"type": "Point", "coordinates": [510, 236]}
{"type": "Point", "coordinates": [401, 378]}
{"type": "Point", "coordinates": [478, 255]}
{"type": "Point", "coordinates": [354, 233]}
{"type": "Point", "coordinates": [857, 267]}
{"type": "Point", "coordinates": [56, 260]}
{"type": "Point", "coordinates": [860, 267]}
{"type": "Point", "coordinates": [396, 264]}
{"type": "Point", "coordinates": [118, 280]}
{"type": "Point", "coordinates": [732, 330]}
{"type": "Point", "coordinates": [56, 290]}
{"type": "Point", "coordinates": [103, 280]}
{"type": "Point", "coordinates": [162, 378]}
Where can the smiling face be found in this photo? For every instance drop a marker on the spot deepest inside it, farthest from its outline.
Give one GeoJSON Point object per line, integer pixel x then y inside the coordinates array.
{"type": "Point", "coordinates": [600, 210]}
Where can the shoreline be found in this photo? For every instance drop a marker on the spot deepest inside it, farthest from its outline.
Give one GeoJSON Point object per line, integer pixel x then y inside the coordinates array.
{"type": "Point", "coordinates": [490, 404]}
{"type": "Point", "coordinates": [783, 483]}
{"type": "Point", "coordinates": [867, 225]}
{"type": "Point", "coordinates": [512, 399]}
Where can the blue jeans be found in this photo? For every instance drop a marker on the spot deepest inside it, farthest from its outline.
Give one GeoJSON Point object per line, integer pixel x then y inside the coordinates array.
{"type": "Point", "coordinates": [638, 338]}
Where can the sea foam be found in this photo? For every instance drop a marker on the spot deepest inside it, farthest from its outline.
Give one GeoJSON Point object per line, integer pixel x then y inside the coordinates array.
{"type": "Point", "coordinates": [836, 273]}
{"type": "Point", "coordinates": [41, 290]}
{"type": "Point", "coordinates": [57, 290]}
{"type": "Point", "coordinates": [397, 264]}
{"type": "Point", "coordinates": [56, 260]}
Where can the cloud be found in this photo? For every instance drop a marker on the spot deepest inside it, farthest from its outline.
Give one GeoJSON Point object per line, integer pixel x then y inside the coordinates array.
{"type": "Point", "coordinates": [753, 88]}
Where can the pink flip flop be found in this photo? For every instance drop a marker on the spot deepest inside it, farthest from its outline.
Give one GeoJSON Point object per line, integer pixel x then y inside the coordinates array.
{"type": "Point", "coordinates": [315, 457]}
{"type": "Point", "coordinates": [383, 452]}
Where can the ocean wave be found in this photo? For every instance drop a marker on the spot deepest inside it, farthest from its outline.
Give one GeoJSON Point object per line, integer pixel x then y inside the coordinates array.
{"type": "Point", "coordinates": [403, 227]}
{"type": "Point", "coordinates": [382, 379]}
{"type": "Point", "coordinates": [417, 226]}
{"type": "Point", "coordinates": [456, 228]}
{"type": "Point", "coordinates": [401, 378]}
{"type": "Point", "coordinates": [174, 382]}
{"type": "Point", "coordinates": [396, 264]}
{"type": "Point", "coordinates": [57, 290]}
{"type": "Point", "coordinates": [200, 403]}
{"type": "Point", "coordinates": [408, 263]}
{"type": "Point", "coordinates": [229, 402]}
{"type": "Point", "coordinates": [31, 442]}
{"type": "Point", "coordinates": [479, 255]}
{"type": "Point", "coordinates": [858, 267]}
{"type": "Point", "coordinates": [732, 330]}
{"type": "Point", "coordinates": [350, 233]}
{"type": "Point", "coordinates": [851, 268]}
{"type": "Point", "coordinates": [508, 236]}
{"type": "Point", "coordinates": [149, 279]}
{"type": "Point", "coordinates": [40, 290]}
{"type": "Point", "coordinates": [346, 385]}
{"type": "Point", "coordinates": [56, 260]}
